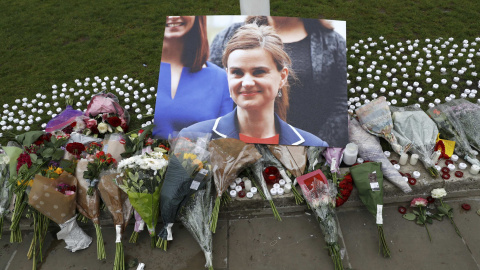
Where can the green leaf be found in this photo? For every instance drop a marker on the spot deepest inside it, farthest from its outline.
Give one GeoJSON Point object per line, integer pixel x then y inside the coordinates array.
{"type": "Point", "coordinates": [429, 220]}
{"type": "Point", "coordinates": [409, 216]}
{"type": "Point", "coordinates": [438, 217]}
{"type": "Point", "coordinates": [48, 152]}
{"type": "Point", "coordinates": [416, 212]}
{"type": "Point", "coordinates": [420, 223]}
{"type": "Point", "coordinates": [58, 155]}
{"type": "Point", "coordinates": [442, 210]}
{"type": "Point", "coordinates": [421, 219]}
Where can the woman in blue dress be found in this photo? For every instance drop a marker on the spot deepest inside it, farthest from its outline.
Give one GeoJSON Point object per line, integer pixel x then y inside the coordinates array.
{"type": "Point", "coordinates": [190, 89]}
{"type": "Point", "coordinates": [257, 70]}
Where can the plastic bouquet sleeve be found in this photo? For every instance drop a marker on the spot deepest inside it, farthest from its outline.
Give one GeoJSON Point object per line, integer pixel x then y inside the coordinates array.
{"type": "Point", "coordinates": [184, 176]}
{"type": "Point", "coordinates": [89, 205]}
{"type": "Point", "coordinates": [6, 191]}
{"type": "Point", "coordinates": [106, 103]}
{"type": "Point", "coordinates": [415, 128]}
{"type": "Point", "coordinates": [314, 157]}
{"type": "Point", "coordinates": [375, 117]}
{"type": "Point", "coordinates": [63, 119]}
{"type": "Point", "coordinates": [195, 218]}
{"type": "Point", "coordinates": [446, 116]}
{"type": "Point", "coordinates": [228, 157]}
{"type": "Point", "coordinates": [139, 227]}
{"type": "Point", "coordinates": [368, 179]}
{"type": "Point", "coordinates": [334, 156]}
{"type": "Point", "coordinates": [369, 148]}
{"type": "Point", "coordinates": [119, 206]}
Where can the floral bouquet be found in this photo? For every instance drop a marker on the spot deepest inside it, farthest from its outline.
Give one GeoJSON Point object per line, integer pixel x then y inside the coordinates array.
{"type": "Point", "coordinates": [369, 148]}
{"type": "Point", "coordinates": [444, 208]}
{"type": "Point", "coordinates": [258, 168]}
{"type": "Point", "coordinates": [69, 120]}
{"type": "Point", "coordinates": [413, 127]}
{"type": "Point", "coordinates": [448, 119]}
{"type": "Point", "coordinates": [119, 206]}
{"type": "Point", "coordinates": [142, 178]}
{"type": "Point", "coordinates": [55, 199]}
{"type": "Point", "coordinates": [75, 149]}
{"type": "Point", "coordinates": [39, 149]}
{"type": "Point", "coordinates": [368, 179]}
{"type": "Point", "coordinates": [114, 144]}
{"type": "Point", "coordinates": [334, 156]}
{"type": "Point", "coordinates": [185, 175]}
{"type": "Point", "coordinates": [294, 159]}
{"type": "Point", "coordinates": [344, 190]}
{"type": "Point", "coordinates": [136, 141]}
{"type": "Point", "coordinates": [375, 117]}
{"type": "Point", "coordinates": [5, 187]}
{"type": "Point", "coordinates": [101, 162]}
{"type": "Point", "coordinates": [195, 217]}
{"type": "Point", "coordinates": [320, 195]}
{"type": "Point", "coordinates": [421, 217]}
{"type": "Point", "coordinates": [105, 116]}
{"type": "Point", "coordinates": [228, 157]}
{"type": "Point", "coordinates": [89, 205]}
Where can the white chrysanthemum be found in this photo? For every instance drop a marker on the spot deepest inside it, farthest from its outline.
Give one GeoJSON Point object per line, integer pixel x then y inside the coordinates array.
{"type": "Point", "coordinates": [439, 193]}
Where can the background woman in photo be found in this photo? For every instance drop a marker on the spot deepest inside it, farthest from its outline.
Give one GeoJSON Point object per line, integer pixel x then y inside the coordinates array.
{"type": "Point", "coordinates": [258, 70]}
{"type": "Point", "coordinates": [190, 89]}
{"type": "Point", "coordinates": [318, 97]}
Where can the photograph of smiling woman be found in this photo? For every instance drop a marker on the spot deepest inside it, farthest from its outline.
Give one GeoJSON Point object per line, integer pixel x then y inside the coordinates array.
{"type": "Point", "coordinates": [257, 70]}
{"type": "Point", "coordinates": [190, 89]}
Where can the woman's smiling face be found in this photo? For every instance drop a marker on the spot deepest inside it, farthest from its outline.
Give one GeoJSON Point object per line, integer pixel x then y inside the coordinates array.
{"type": "Point", "coordinates": [178, 26]}
{"type": "Point", "coordinates": [253, 79]}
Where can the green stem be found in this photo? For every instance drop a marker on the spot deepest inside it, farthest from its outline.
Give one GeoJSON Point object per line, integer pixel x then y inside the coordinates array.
{"type": "Point", "coordinates": [451, 219]}
{"type": "Point", "coordinates": [335, 255]}
{"type": "Point", "coordinates": [298, 197]}
{"type": "Point", "coordinates": [214, 217]}
{"type": "Point", "coordinates": [101, 255]}
{"type": "Point", "coordinates": [119, 263]}
{"type": "Point", "coordinates": [134, 237]}
{"type": "Point", "coordinates": [153, 240]}
{"type": "Point", "coordinates": [20, 205]}
{"type": "Point", "coordinates": [382, 243]}
{"type": "Point", "coordinates": [275, 211]}
{"type": "Point", "coordinates": [162, 244]}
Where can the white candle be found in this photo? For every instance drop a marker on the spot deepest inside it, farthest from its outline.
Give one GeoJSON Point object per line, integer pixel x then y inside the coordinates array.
{"type": "Point", "coordinates": [233, 185]}
{"type": "Point", "coordinates": [405, 178]}
{"type": "Point", "coordinates": [387, 154]}
{"type": "Point", "coordinates": [238, 188]}
{"type": "Point", "coordinates": [276, 185]}
{"type": "Point", "coordinates": [288, 188]}
{"type": "Point", "coordinates": [438, 168]}
{"type": "Point", "coordinates": [474, 169]}
{"type": "Point", "coordinates": [282, 182]}
{"type": "Point", "coordinates": [238, 180]}
{"type": "Point", "coordinates": [413, 159]}
{"type": "Point", "coordinates": [451, 167]}
{"type": "Point", "coordinates": [248, 184]}
{"type": "Point", "coordinates": [233, 193]}
{"type": "Point", "coordinates": [462, 166]}
{"type": "Point", "coordinates": [350, 154]}
{"type": "Point", "coordinates": [253, 190]}
{"type": "Point", "coordinates": [280, 191]}
{"type": "Point", "coordinates": [360, 160]}
{"type": "Point", "coordinates": [273, 191]}
{"type": "Point", "coordinates": [249, 195]}
{"type": "Point", "coordinates": [454, 158]}
{"type": "Point", "coordinates": [396, 166]}
{"type": "Point", "coordinates": [416, 174]}
{"type": "Point", "coordinates": [403, 159]}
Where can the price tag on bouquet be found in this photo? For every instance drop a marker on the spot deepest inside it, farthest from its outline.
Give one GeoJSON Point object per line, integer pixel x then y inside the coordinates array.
{"type": "Point", "coordinates": [373, 181]}
{"type": "Point", "coordinates": [198, 179]}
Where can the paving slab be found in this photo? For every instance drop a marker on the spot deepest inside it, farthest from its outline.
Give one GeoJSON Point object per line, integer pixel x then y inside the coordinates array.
{"type": "Point", "coordinates": [408, 242]}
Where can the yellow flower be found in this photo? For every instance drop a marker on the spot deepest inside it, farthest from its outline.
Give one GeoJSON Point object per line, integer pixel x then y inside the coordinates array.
{"type": "Point", "coordinates": [199, 163]}
{"type": "Point", "coordinates": [58, 171]}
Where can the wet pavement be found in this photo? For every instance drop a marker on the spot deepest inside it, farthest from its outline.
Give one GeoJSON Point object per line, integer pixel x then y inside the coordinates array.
{"type": "Point", "coordinates": [261, 242]}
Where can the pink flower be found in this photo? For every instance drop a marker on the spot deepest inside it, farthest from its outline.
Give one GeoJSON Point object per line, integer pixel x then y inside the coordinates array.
{"type": "Point", "coordinates": [419, 202]}
{"type": "Point", "coordinates": [91, 123]}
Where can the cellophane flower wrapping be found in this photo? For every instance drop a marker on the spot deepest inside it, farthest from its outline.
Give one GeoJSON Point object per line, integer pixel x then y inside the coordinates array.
{"type": "Point", "coordinates": [105, 116]}
{"type": "Point", "coordinates": [6, 191]}
{"type": "Point", "coordinates": [63, 119]}
{"type": "Point", "coordinates": [320, 194]}
{"type": "Point", "coordinates": [142, 178]}
{"type": "Point", "coordinates": [314, 157]}
{"type": "Point", "coordinates": [89, 205]}
{"type": "Point", "coordinates": [334, 156]}
{"type": "Point", "coordinates": [186, 173]}
{"type": "Point", "coordinates": [369, 148]}
{"type": "Point", "coordinates": [414, 127]}
{"type": "Point", "coordinates": [368, 179]}
{"type": "Point", "coordinates": [119, 206]}
{"type": "Point", "coordinates": [114, 144]}
{"type": "Point", "coordinates": [196, 218]}
{"type": "Point", "coordinates": [228, 157]}
{"type": "Point", "coordinates": [375, 117]}
{"type": "Point", "coordinates": [106, 103]}
{"type": "Point", "coordinates": [458, 121]}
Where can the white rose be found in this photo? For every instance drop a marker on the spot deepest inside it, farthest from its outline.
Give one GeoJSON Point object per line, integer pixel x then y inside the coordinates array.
{"type": "Point", "coordinates": [102, 127]}
{"type": "Point", "coordinates": [439, 193]}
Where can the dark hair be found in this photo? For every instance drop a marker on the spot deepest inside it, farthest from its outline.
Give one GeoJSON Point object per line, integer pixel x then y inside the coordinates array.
{"type": "Point", "coordinates": [196, 50]}
{"type": "Point", "coordinates": [308, 23]}
{"type": "Point", "coordinates": [252, 36]}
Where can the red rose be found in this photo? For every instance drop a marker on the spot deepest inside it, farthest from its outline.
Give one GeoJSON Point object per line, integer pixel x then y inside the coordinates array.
{"type": "Point", "coordinates": [343, 185]}
{"type": "Point", "coordinates": [75, 148]}
{"type": "Point", "coordinates": [114, 121]}
{"type": "Point", "coordinates": [73, 124]}
{"type": "Point", "coordinates": [345, 193]}
{"type": "Point", "coordinates": [140, 131]}
{"type": "Point", "coordinates": [24, 158]}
